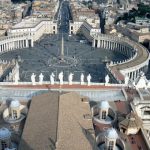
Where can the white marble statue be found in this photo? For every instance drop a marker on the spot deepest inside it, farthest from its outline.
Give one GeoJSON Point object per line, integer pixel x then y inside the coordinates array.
{"type": "Point", "coordinates": [16, 73]}
{"type": "Point", "coordinates": [126, 80]}
{"type": "Point", "coordinates": [107, 79]}
{"type": "Point", "coordinates": [82, 79]}
{"type": "Point", "coordinates": [33, 78]}
{"type": "Point", "coordinates": [89, 79]}
{"type": "Point", "coordinates": [70, 78]}
{"type": "Point", "coordinates": [41, 77]}
{"type": "Point", "coordinates": [60, 77]}
{"type": "Point", "coordinates": [52, 80]}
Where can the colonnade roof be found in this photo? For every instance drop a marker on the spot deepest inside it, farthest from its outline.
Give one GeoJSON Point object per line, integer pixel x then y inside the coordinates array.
{"type": "Point", "coordinates": [142, 53]}
{"type": "Point", "coordinates": [142, 56]}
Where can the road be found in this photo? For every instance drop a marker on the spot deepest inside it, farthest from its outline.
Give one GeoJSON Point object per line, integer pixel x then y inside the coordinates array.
{"type": "Point", "coordinates": [64, 17]}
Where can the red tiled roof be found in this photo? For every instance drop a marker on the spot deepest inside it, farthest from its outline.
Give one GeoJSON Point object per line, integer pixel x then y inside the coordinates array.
{"type": "Point", "coordinates": [137, 141]}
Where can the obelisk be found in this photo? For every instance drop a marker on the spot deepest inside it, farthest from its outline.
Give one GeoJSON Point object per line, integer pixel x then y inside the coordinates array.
{"type": "Point", "coordinates": [62, 49]}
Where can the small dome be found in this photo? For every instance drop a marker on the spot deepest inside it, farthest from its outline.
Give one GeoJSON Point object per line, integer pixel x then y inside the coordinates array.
{"type": "Point", "coordinates": [4, 133]}
{"type": "Point", "coordinates": [14, 104]}
{"type": "Point", "coordinates": [111, 133]}
{"type": "Point", "coordinates": [104, 105]}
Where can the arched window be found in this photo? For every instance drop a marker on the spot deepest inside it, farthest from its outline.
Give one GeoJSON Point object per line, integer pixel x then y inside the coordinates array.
{"type": "Point", "coordinates": [111, 145]}
{"type": "Point", "coordinates": [103, 114]}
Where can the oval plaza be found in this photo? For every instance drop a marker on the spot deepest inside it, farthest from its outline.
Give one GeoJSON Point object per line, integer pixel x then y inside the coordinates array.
{"type": "Point", "coordinates": [67, 108]}
{"type": "Point", "coordinates": [136, 56]}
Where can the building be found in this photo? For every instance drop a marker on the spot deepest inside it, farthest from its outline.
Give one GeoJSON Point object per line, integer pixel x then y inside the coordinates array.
{"type": "Point", "coordinates": [34, 27]}
{"type": "Point", "coordinates": [81, 14]}
{"type": "Point", "coordinates": [45, 9]}
{"type": "Point", "coordinates": [55, 124]}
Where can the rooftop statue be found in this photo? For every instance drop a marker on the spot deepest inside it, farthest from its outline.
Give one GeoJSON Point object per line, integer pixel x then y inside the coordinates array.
{"type": "Point", "coordinates": [82, 78]}
{"type": "Point", "coordinates": [41, 76]}
{"type": "Point", "coordinates": [52, 80]}
{"type": "Point", "coordinates": [89, 79]}
{"type": "Point", "coordinates": [107, 79]}
{"type": "Point", "coordinates": [60, 77]}
{"type": "Point", "coordinates": [70, 78]}
{"type": "Point", "coordinates": [33, 78]}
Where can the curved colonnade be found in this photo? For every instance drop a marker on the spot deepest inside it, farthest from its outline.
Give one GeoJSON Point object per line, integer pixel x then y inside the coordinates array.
{"type": "Point", "coordinates": [138, 56]}
{"type": "Point", "coordinates": [12, 42]}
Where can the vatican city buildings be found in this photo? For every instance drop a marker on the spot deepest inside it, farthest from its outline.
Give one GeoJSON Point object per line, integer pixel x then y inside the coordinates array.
{"type": "Point", "coordinates": [74, 75]}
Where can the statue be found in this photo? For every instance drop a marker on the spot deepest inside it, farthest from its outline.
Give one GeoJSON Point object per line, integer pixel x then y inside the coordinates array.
{"type": "Point", "coordinates": [10, 76]}
{"type": "Point", "coordinates": [60, 76]}
{"type": "Point", "coordinates": [106, 79]}
{"type": "Point", "coordinates": [89, 79]}
{"type": "Point", "coordinates": [41, 76]}
{"type": "Point", "coordinates": [70, 78]}
{"type": "Point", "coordinates": [52, 78]}
{"type": "Point", "coordinates": [33, 78]}
{"type": "Point", "coordinates": [16, 73]}
{"type": "Point", "coordinates": [82, 79]}
{"type": "Point", "coordinates": [126, 80]}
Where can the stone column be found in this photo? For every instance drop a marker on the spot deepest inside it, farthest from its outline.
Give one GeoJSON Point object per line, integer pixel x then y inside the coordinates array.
{"type": "Point", "coordinates": [17, 44]}
{"type": "Point", "coordinates": [93, 43]}
{"type": "Point", "coordinates": [98, 43]}
{"type": "Point", "coordinates": [27, 43]}
{"type": "Point", "coordinates": [2, 48]}
{"type": "Point", "coordinates": [20, 43]}
{"type": "Point", "coordinates": [104, 45]}
{"type": "Point", "coordinates": [13, 45]}
{"type": "Point", "coordinates": [9, 46]}
{"type": "Point", "coordinates": [135, 74]}
{"type": "Point", "coordinates": [32, 43]}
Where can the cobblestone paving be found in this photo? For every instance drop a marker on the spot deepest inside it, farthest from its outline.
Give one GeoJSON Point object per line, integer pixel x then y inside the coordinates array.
{"type": "Point", "coordinates": [45, 57]}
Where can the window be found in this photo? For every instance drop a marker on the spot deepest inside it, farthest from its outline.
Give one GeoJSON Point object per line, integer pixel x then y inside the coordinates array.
{"type": "Point", "coordinates": [111, 145]}
{"type": "Point", "coordinates": [103, 114]}
{"type": "Point", "coordinates": [4, 145]}
{"type": "Point", "coordinates": [53, 27]}
{"type": "Point", "coordinates": [71, 27]}
{"type": "Point", "coordinates": [147, 112]}
{"type": "Point", "coordinates": [14, 114]}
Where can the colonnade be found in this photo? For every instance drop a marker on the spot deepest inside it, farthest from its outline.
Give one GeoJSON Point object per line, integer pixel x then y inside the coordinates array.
{"type": "Point", "coordinates": [113, 45]}
{"type": "Point", "coordinates": [15, 42]}
{"type": "Point", "coordinates": [134, 74]}
{"type": "Point", "coordinates": [138, 55]}
{"type": "Point", "coordinates": [148, 134]}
